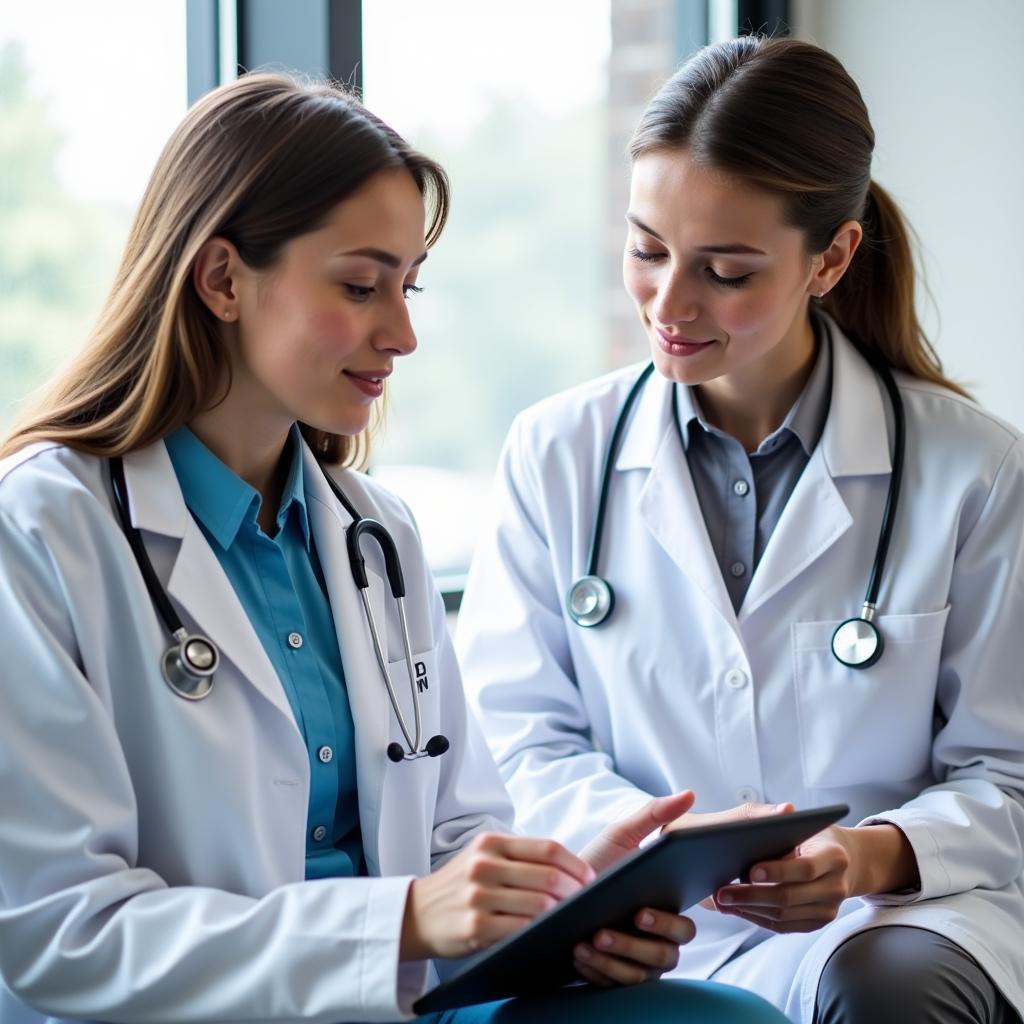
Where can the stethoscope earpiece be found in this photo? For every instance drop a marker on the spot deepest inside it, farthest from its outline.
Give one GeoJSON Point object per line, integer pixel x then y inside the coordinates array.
{"type": "Point", "coordinates": [590, 601]}
{"type": "Point", "coordinates": [436, 746]}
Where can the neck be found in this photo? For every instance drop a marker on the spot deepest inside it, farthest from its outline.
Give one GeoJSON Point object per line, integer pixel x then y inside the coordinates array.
{"type": "Point", "coordinates": [752, 402]}
{"type": "Point", "coordinates": [251, 443]}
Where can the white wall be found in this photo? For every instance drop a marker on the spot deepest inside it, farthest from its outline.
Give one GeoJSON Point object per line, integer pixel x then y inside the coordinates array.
{"type": "Point", "coordinates": [944, 84]}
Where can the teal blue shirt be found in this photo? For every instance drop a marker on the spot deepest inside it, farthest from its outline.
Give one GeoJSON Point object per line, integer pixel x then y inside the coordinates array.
{"type": "Point", "coordinates": [281, 586]}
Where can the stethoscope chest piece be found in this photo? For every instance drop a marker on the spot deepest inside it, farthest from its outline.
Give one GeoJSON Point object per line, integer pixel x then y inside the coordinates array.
{"type": "Point", "coordinates": [590, 601]}
{"type": "Point", "coordinates": [857, 643]}
{"type": "Point", "coordinates": [189, 665]}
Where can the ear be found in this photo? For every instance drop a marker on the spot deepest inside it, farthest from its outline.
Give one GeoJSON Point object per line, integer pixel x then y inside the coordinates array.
{"type": "Point", "coordinates": [214, 276]}
{"type": "Point", "coordinates": [832, 263]}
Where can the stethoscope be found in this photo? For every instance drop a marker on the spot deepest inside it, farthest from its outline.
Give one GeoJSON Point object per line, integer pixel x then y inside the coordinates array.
{"type": "Point", "coordinates": [856, 642]}
{"type": "Point", "coordinates": [191, 661]}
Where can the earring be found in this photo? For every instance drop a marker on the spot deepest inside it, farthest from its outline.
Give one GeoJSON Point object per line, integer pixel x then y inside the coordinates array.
{"type": "Point", "coordinates": [228, 314]}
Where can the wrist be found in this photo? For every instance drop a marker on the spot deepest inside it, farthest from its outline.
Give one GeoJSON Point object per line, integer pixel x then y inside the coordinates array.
{"type": "Point", "coordinates": [411, 945]}
{"type": "Point", "coordinates": [884, 860]}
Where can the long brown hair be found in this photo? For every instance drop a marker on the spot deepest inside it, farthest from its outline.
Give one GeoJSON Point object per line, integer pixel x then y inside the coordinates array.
{"type": "Point", "coordinates": [258, 161]}
{"type": "Point", "coordinates": [783, 115]}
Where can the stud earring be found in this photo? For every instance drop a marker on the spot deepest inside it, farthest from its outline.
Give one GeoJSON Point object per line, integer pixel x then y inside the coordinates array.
{"type": "Point", "coordinates": [228, 314]}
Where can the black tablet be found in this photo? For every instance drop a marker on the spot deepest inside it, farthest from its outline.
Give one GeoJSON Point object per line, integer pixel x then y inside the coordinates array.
{"type": "Point", "coordinates": [672, 873]}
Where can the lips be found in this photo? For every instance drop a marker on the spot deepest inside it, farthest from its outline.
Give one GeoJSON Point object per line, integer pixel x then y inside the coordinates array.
{"type": "Point", "coordinates": [370, 382]}
{"type": "Point", "coordinates": [680, 344]}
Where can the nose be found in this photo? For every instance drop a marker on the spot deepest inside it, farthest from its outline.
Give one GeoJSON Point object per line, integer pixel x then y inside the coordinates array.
{"type": "Point", "coordinates": [395, 332]}
{"type": "Point", "coordinates": [675, 301]}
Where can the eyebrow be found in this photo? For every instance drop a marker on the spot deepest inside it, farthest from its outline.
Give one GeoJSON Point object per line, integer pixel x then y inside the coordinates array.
{"type": "Point", "coordinates": [381, 256]}
{"type": "Point", "coordinates": [733, 248]}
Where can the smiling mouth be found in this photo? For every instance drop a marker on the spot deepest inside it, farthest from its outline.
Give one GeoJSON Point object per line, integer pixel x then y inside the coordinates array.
{"type": "Point", "coordinates": [371, 383]}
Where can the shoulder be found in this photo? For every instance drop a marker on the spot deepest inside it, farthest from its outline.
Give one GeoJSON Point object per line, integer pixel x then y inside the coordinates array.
{"type": "Point", "coordinates": [589, 407]}
{"type": "Point", "coordinates": [955, 429]}
{"type": "Point", "coordinates": [47, 485]}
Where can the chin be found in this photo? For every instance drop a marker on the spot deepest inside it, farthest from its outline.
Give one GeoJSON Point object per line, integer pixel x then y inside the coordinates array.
{"type": "Point", "coordinates": [683, 370]}
{"type": "Point", "coordinates": [346, 424]}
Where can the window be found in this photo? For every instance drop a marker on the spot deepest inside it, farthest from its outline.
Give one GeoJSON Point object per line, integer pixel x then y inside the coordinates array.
{"type": "Point", "coordinates": [512, 100]}
{"type": "Point", "coordinates": [88, 95]}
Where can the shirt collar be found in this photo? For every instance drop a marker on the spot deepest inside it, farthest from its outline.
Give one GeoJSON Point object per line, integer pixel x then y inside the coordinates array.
{"type": "Point", "coordinates": [220, 499]}
{"type": "Point", "coordinates": [805, 419]}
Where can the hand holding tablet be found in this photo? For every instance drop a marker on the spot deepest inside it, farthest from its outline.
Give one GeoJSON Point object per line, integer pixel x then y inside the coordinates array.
{"type": "Point", "coordinates": [671, 874]}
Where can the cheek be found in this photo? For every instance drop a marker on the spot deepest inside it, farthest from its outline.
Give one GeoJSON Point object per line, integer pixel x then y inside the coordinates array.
{"type": "Point", "coordinates": [753, 311]}
{"type": "Point", "coordinates": [331, 333]}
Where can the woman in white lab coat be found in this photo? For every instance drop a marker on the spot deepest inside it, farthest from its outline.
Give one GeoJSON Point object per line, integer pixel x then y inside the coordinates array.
{"type": "Point", "coordinates": [744, 507]}
{"type": "Point", "coordinates": [266, 848]}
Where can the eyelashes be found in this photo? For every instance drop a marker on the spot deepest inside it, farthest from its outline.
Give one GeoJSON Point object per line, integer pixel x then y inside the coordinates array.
{"type": "Point", "coordinates": [725, 282]}
{"type": "Point", "coordinates": [729, 282]}
{"type": "Point", "coordinates": [362, 292]}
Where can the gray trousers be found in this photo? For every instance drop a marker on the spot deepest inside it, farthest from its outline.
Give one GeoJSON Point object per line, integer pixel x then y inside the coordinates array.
{"type": "Point", "coordinates": [904, 975]}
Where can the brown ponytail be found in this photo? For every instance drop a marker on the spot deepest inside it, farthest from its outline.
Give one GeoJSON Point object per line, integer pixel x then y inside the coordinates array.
{"type": "Point", "coordinates": [784, 116]}
{"type": "Point", "coordinates": [874, 300]}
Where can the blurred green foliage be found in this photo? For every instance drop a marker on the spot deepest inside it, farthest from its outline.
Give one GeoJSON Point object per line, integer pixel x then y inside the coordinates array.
{"type": "Point", "coordinates": [58, 255]}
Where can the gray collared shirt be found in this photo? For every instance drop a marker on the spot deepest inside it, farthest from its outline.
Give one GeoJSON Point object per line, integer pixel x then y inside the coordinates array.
{"type": "Point", "coordinates": [742, 496]}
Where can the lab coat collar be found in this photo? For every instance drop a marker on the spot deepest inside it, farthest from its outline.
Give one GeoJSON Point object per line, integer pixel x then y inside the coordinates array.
{"type": "Point", "coordinates": [854, 442]}
{"type": "Point", "coordinates": [155, 501]}
{"type": "Point", "coordinates": [651, 421]}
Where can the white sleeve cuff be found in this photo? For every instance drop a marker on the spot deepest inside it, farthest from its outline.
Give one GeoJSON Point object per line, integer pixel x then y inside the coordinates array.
{"type": "Point", "coordinates": [389, 986]}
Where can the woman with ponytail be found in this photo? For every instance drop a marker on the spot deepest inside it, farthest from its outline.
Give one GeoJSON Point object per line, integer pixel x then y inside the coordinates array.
{"type": "Point", "coordinates": [796, 436]}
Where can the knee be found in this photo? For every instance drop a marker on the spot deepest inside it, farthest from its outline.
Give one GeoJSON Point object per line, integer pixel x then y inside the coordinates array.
{"type": "Point", "coordinates": [892, 974]}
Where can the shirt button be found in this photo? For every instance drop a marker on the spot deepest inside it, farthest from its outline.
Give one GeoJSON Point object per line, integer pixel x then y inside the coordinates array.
{"type": "Point", "coordinates": [737, 569]}
{"type": "Point", "coordinates": [746, 794]}
{"type": "Point", "coordinates": [295, 640]}
{"type": "Point", "coordinates": [325, 754]}
{"type": "Point", "coordinates": [741, 487]}
{"type": "Point", "coordinates": [319, 834]}
{"type": "Point", "coordinates": [736, 679]}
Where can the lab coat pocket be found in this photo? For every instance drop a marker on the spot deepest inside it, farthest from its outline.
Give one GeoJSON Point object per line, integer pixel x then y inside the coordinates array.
{"type": "Point", "coordinates": [867, 725]}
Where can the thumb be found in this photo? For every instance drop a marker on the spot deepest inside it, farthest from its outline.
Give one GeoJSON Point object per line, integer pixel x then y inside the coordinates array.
{"type": "Point", "coordinates": [631, 831]}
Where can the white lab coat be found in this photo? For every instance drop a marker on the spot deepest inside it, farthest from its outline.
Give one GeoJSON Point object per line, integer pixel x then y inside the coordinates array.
{"type": "Point", "coordinates": [152, 850]}
{"type": "Point", "coordinates": [678, 691]}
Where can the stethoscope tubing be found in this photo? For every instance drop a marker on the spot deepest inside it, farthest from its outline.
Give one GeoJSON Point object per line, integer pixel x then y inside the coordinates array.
{"type": "Point", "coordinates": [189, 664]}
{"type": "Point", "coordinates": [600, 593]}
{"type": "Point", "coordinates": [609, 463]}
{"type": "Point", "coordinates": [899, 446]}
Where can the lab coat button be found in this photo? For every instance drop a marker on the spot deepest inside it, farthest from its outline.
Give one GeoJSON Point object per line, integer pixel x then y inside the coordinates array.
{"type": "Point", "coordinates": [737, 569]}
{"type": "Point", "coordinates": [295, 640]}
{"type": "Point", "coordinates": [746, 795]}
{"type": "Point", "coordinates": [319, 834]}
{"type": "Point", "coordinates": [741, 487]}
{"type": "Point", "coordinates": [325, 754]}
{"type": "Point", "coordinates": [736, 679]}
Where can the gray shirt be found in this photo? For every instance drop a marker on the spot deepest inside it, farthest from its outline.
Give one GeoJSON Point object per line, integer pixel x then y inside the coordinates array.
{"type": "Point", "coordinates": [742, 496]}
